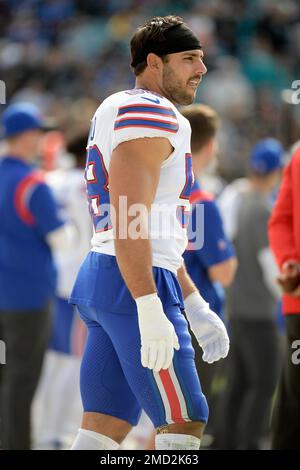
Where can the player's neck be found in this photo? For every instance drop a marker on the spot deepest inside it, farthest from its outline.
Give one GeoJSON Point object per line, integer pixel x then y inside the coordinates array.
{"type": "Point", "coordinates": [16, 151]}
{"type": "Point", "coordinates": [199, 164]}
{"type": "Point", "coordinates": [262, 186]}
{"type": "Point", "coordinates": [142, 82]}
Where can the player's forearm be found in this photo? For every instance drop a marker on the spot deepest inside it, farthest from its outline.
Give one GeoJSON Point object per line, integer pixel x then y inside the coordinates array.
{"type": "Point", "coordinates": [133, 247]}
{"type": "Point", "coordinates": [186, 283]}
{"type": "Point", "coordinates": [135, 262]}
{"type": "Point", "coordinates": [223, 272]}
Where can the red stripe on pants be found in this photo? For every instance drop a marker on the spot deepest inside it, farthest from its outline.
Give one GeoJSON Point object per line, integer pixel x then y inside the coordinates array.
{"type": "Point", "coordinates": [172, 396]}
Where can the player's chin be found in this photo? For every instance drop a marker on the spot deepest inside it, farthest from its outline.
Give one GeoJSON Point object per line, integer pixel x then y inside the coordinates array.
{"type": "Point", "coordinates": [188, 97]}
{"type": "Point", "coordinates": [191, 91]}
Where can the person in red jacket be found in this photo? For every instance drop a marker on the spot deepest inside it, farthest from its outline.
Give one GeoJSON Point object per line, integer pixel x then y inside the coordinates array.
{"type": "Point", "coordinates": [284, 234]}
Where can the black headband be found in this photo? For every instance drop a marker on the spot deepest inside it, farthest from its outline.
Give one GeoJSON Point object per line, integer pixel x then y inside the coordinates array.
{"type": "Point", "coordinates": [178, 38]}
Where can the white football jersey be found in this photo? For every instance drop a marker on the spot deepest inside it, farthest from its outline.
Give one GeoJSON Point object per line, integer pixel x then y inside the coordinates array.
{"type": "Point", "coordinates": [136, 114]}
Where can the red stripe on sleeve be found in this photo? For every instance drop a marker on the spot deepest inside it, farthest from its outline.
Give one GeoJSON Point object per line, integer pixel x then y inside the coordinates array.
{"type": "Point", "coordinates": [22, 191]}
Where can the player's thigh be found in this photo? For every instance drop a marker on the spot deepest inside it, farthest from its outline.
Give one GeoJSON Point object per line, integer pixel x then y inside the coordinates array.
{"type": "Point", "coordinates": [104, 388]}
{"type": "Point", "coordinates": [169, 396]}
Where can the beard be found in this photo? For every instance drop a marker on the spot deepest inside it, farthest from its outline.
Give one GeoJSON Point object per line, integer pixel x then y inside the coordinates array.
{"type": "Point", "coordinates": [176, 91]}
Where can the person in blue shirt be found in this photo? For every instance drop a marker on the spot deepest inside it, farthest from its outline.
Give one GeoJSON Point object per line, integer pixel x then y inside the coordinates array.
{"type": "Point", "coordinates": [212, 263]}
{"type": "Point", "coordinates": [30, 228]}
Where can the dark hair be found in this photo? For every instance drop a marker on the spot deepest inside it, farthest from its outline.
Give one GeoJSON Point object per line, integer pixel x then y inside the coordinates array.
{"type": "Point", "coordinates": [77, 147]}
{"type": "Point", "coordinates": [204, 123]}
{"type": "Point", "coordinates": [151, 30]}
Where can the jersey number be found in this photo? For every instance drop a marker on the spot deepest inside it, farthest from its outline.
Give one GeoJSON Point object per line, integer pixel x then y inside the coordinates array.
{"type": "Point", "coordinates": [99, 202]}
{"type": "Point", "coordinates": [182, 213]}
{"type": "Point", "coordinates": [96, 172]}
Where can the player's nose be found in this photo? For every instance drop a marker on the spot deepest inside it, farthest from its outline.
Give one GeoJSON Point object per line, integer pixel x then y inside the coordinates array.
{"type": "Point", "coordinates": [203, 68]}
{"type": "Point", "coordinates": [200, 67]}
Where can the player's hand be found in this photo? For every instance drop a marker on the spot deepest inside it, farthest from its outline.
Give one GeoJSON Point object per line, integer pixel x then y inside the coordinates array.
{"type": "Point", "coordinates": [209, 330]}
{"type": "Point", "coordinates": [158, 337]}
{"type": "Point", "coordinates": [289, 279]}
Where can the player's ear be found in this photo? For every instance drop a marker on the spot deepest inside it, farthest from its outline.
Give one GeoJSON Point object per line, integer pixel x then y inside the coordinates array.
{"type": "Point", "coordinates": [154, 62]}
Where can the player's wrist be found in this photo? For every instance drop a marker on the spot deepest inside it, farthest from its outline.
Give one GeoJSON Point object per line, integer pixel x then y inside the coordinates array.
{"type": "Point", "coordinates": [194, 304]}
{"type": "Point", "coordinates": [145, 299]}
{"type": "Point", "coordinates": [148, 305]}
{"type": "Point", "coordinates": [207, 327]}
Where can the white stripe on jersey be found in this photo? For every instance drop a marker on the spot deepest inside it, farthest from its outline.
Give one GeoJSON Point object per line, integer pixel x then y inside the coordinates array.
{"type": "Point", "coordinates": [184, 412]}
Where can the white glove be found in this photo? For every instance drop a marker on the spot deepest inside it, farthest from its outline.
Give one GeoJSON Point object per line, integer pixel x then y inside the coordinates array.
{"type": "Point", "coordinates": [158, 337]}
{"type": "Point", "coordinates": [209, 330]}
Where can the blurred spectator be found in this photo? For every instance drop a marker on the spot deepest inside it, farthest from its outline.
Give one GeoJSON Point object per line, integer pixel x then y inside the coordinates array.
{"type": "Point", "coordinates": [228, 90]}
{"type": "Point", "coordinates": [57, 404]}
{"type": "Point", "coordinates": [30, 228]}
{"type": "Point", "coordinates": [284, 232]}
{"type": "Point", "coordinates": [251, 305]}
{"type": "Point", "coordinates": [213, 265]}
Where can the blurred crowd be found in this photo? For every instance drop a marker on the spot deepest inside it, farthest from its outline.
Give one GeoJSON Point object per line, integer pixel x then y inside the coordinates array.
{"type": "Point", "coordinates": [66, 56]}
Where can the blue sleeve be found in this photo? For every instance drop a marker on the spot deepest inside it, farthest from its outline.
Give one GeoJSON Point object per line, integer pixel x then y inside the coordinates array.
{"type": "Point", "coordinates": [45, 210]}
{"type": "Point", "coordinates": [216, 246]}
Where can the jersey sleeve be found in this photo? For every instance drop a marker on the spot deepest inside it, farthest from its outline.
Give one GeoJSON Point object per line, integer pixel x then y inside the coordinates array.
{"type": "Point", "coordinates": [144, 116]}
{"type": "Point", "coordinates": [44, 209]}
{"type": "Point", "coordinates": [216, 247]}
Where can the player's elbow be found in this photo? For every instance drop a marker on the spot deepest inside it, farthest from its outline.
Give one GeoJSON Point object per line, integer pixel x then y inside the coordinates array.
{"type": "Point", "coordinates": [223, 272]}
